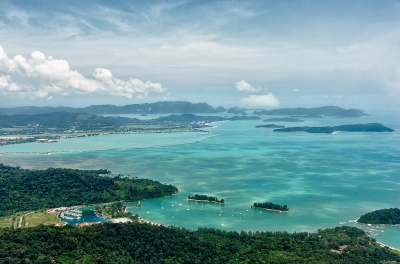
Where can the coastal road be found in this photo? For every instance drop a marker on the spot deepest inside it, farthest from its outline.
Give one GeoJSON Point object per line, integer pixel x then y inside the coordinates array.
{"type": "Point", "coordinates": [20, 219]}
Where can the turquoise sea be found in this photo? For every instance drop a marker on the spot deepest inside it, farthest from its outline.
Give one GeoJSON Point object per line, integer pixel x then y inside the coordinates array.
{"type": "Point", "coordinates": [326, 180]}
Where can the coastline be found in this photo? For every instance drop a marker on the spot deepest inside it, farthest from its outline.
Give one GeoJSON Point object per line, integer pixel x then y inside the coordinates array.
{"type": "Point", "coordinates": [274, 210]}
{"type": "Point", "coordinates": [205, 201]}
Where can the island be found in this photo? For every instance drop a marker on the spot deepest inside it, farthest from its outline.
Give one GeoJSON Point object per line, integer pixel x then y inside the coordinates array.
{"type": "Point", "coordinates": [335, 111]}
{"type": "Point", "coordinates": [271, 206]}
{"type": "Point", "coordinates": [370, 127]}
{"type": "Point", "coordinates": [205, 198]}
{"type": "Point", "coordinates": [383, 216]}
{"type": "Point", "coordinates": [236, 110]}
{"type": "Point", "coordinates": [271, 126]}
{"type": "Point", "coordinates": [284, 119]}
{"type": "Point", "coordinates": [235, 118]}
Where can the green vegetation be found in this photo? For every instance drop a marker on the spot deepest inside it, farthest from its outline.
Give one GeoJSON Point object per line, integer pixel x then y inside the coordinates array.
{"type": "Point", "coordinates": [371, 127]}
{"type": "Point", "coordinates": [11, 220]}
{"type": "Point", "coordinates": [38, 218]}
{"type": "Point", "coordinates": [143, 243]}
{"type": "Point", "coordinates": [271, 206]}
{"type": "Point", "coordinates": [115, 210]}
{"type": "Point", "coordinates": [205, 198]}
{"type": "Point", "coordinates": [383, 216]}
{"type": "Point", "coordinates": [23, 190]}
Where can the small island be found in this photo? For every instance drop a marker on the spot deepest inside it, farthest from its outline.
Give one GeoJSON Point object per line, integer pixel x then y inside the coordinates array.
{"type": "Point", "coordinates": [284, 119]}
{"type": "Point", "coordinates": [236, 118]}
{"type": "Point", "coordinates": [205, 198]}
{"type": "Point", "coordinates": [383, 216]}
{"type": "Point", "coordinates": [271, 207]}
{"type": "Point", "coordinates": [271, 126]}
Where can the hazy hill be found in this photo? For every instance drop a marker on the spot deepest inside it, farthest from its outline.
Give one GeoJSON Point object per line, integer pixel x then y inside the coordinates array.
{"type": "Point", "coordinates": [324, 110]}
{"type": "Point", "coordinates": [164, 107]}
{"type": "Point", "coordinates": [63, 120]}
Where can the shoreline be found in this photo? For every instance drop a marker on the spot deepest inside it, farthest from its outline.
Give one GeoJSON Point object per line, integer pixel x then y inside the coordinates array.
{"type": "Point", "coordinates": [274, 210]}
{"type": "Point", "coordinates": [62, 136]}
{"type": "Point", "coordinates": [205, 201]}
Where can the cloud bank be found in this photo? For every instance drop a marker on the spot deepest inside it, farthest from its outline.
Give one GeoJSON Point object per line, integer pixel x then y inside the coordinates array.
{"type": "Point", "coordinates": [259, 101]}
{"type": "Point", "coordinates": [42, 77]}
{"type": "Point", "coordinates": [244, 86]}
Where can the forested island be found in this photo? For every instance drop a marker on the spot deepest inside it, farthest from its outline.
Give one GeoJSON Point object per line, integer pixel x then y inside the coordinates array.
{"type": "Point", "coordinates": [383, 216]}
{"type": "Point", "coordinates": [144, 243]}
{"type": "Point", "coordinates": [284, 119]}
{"type": "Point", "coordinates": [23, 190]}
{"type": "Point", "coordinates": [205, 198]}
{"type": "Point", "coordinates": [271, 206]}
{"type": "Point", "coordinates": [370, 127]}
{"type": "Point", "coordinates": [270, 126]}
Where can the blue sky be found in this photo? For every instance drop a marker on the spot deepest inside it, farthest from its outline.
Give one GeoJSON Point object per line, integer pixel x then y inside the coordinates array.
{"type": "Point", "coordinates": [265, 54]}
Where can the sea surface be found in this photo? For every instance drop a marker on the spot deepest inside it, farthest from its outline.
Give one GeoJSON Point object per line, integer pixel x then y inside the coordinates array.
{"type": "Point", "coordinates": [326, 180]}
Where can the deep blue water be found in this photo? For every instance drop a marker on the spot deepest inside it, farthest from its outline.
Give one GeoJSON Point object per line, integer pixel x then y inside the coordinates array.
{"type": "Point", "coordinates": [326, 180]}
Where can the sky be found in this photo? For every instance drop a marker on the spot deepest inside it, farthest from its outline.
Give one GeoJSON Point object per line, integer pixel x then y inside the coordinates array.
{"type": "Point", "coordinates": [252, 54]}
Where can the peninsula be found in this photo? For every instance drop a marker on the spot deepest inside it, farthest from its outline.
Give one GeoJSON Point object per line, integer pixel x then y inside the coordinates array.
{"type": "Point", "coordinates": [371, 127]}
{"type": "Point", "coordinates": [383, 216]}
{"type": "Point", "coordinates": [51, 188]}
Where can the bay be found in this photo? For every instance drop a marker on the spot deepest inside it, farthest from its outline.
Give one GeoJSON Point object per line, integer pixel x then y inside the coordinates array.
{"type": "Point", "coordinates": [325, 179]}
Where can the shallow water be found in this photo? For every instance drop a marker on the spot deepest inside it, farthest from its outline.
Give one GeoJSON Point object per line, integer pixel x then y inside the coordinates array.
{"type": "Point", "coordinates": [326, 180]}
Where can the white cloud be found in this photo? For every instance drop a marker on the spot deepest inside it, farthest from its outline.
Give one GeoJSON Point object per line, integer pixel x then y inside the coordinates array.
{"type": "Point", "coordinates": [6, 64]}
{"type": "Point", "coordinates": [295, 90]}
{"type": "Point", "coordinates": [4, 79]}
{"type": "Point", "coordinates": [54, 77]}
{"type": "Point", "coordinates": [126, 88]}
{"type": "Point", "coordinates": [244, 86]}
{"type": "Point", "coordinates": [267, 100]}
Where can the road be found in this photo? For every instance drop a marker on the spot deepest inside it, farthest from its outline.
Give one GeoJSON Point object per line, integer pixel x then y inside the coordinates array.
{"type": "Point", "coordinates": [20, 219]}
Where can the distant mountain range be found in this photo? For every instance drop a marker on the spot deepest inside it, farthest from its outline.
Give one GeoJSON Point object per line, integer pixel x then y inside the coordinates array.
{"type": "Point", "coordinates": [164, 107]}
{"type": "Point", "coordinates": [182, 107]}
{"type": "Point", "coordinates": [315, 112]}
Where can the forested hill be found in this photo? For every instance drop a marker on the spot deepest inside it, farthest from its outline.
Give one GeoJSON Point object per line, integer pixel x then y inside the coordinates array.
{"type": "Point", "coordinates": [22, 190]}
{"type": "Point", "coordinates": [163, 107]}
{"type": "Point", "coordinates": [143, 243]}
{"type": "Point", "coordinates": [64, 120]}
{"type": "Point", "coordinates": [383, 216]}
